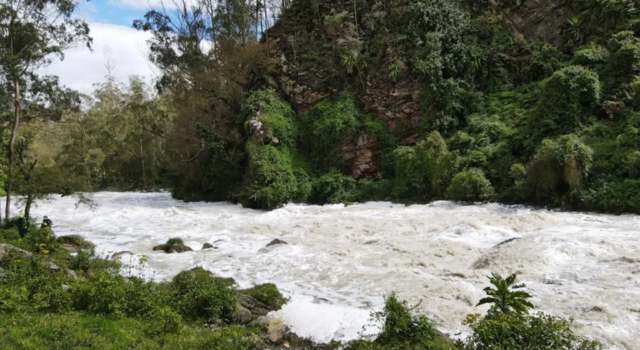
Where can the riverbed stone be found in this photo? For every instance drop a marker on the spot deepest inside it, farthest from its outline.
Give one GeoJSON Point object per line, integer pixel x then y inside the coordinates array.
{"type": "Point", "coordinates": [207, 246]}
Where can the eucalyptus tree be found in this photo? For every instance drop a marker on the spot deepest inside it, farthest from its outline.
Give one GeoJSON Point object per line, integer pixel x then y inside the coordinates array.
{"type": "Point", "coordinates": [32, 34]}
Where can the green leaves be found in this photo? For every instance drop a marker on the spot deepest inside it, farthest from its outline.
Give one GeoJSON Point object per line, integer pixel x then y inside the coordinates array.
{"type": "Point", "coordinates": [505, 296]}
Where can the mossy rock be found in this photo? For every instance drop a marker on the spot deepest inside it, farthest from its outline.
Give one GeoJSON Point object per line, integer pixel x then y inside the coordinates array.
{"type": "Point", "coordinates": [75, 243]}
{"type": "Point", "coordinates": [267, 295]}
{"type": "Point", "coordinates": [173, 245]}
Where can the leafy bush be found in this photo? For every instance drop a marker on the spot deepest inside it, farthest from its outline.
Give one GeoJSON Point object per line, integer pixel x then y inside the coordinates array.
{"type": "Point", "coordinates": [559, 167]}
{"type": "Point", "coordinates": [591, 55]}
{"type": "Point", "coordinates": [423, 171]}
{"type": "Point", "coordinates": [402, 330]}
{"type": "Point", "coordinates": [618, 196]}
{"type": "Point", "coordinates": [328, 125]}
{"type": "Point", "coordinates": [333, 187]}
{"type": "Point", "coordinates": [275, 116]}
{"type": "Point", "coordinates": [470, 185]}
{"type": "Point", "coordinates": [268, 294]}
{"type": "Point", "coordinates": [516, 331]}
{"type": "Point", "coordinates": [30, 284]}
{"type": "Point", "coordinates": [105, 293]}
{"type": "Point", "coordinates": [272, 178]}
{"type": "Point", "coordinates": [566, 100]}
{"type": "Point", "coordinates": [199, 295]}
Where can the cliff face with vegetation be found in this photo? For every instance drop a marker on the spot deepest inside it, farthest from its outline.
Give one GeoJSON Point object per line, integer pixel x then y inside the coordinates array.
{"type": "Point", "coordinates": [518, 101]}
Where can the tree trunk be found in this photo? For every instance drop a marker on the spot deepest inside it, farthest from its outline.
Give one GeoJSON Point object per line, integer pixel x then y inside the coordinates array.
{"type": "Point", "coordinates": [27, 208]}
{"type": "Point", "coordinates": [12, 149]}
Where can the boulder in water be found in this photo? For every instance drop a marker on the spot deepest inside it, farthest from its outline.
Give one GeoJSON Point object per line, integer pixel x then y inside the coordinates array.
{"type": "Point", "coordinates": [276, 242]}
{"type": "Point", "coordinates": [173, 245]}
{"type": "Point", "coordinates": [207, 246]}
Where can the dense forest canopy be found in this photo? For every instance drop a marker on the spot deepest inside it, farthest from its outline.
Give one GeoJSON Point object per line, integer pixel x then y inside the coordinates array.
{"type": "Point", "coordinates": [268, 102]}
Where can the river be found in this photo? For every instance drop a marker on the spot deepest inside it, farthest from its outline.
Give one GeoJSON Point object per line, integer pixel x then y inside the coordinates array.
{"type": "Point", "coordinates": [340, 261]}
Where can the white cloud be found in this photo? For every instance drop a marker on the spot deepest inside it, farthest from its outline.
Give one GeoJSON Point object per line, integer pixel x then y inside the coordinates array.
{"type": "Point", "coordinates": [123, 49]}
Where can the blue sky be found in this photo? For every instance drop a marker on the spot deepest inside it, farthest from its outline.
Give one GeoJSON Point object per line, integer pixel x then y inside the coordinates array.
{"type": "Point", "coordinates": [111, 11]}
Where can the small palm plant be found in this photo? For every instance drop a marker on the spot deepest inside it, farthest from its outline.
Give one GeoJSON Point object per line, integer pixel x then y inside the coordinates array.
{"type": "Point", "coordinates": [506, 296]}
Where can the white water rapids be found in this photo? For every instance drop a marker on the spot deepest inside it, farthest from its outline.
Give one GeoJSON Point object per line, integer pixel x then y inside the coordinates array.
{"type": "Point", "coordinates": [341, 261]}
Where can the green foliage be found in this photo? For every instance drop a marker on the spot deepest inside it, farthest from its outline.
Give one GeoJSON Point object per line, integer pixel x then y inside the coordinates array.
{"type": "Point", "coordinates": [567, 99]}
{"type": "Point", "coordinates": [105, 294]}
{"type": "Point", "coordinates": [517, 331]}
{"type": "Point", "coordinates": [618, 196]}
{"type": "Point", "coordinates": [273, 178]}
{"type": "Point", "coordinates": [31, 284]}
{"type": "Point", "coordinates": [470, 186]}
{"type": "Point", "coordinates": [85, 331]}
{"type": "Point", "coordinates": [423, 171]}
{"type": "Point", "coordinates": [508, 324]}
{"type": "Point", "coordinates": [268, 294]}
{"type": "Point", "coordinates": [402, 330]}
{"type": "Point", "coordinates": [274, 115]}
{"type": "Point", "coordinates": [329, 125]}
{"type": "Point", "coordinates": [333, 187]}
{"type": "Point", "coordinates": [199, 295]}
{"type": "Point", "coordinates": [591, 55]}
{"type": "Point", "coordinates": [505, 296]}
{"type": "Point", "coordinates": [560, 167]}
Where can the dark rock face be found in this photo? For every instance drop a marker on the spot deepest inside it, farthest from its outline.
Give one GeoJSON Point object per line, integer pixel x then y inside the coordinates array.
{"type": "Point", "coordinates": [542, 20]}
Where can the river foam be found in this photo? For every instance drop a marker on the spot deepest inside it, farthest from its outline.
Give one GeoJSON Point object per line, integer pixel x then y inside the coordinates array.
{"type": "Point", "coordinates": [342, 260]}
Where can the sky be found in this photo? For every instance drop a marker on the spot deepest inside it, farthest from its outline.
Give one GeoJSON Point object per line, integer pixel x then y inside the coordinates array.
{"type": "Point", "coordinates": [117, 47]}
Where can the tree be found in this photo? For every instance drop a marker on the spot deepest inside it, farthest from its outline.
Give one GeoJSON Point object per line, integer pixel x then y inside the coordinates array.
{"type": "Point", "coordinates": [31, 33]}
{"type": "Point", "coordinates": [506, 296]}
{"type": "Point", "coordinates": [207, 138]}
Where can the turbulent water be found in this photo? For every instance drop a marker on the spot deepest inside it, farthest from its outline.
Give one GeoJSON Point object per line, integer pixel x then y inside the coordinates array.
{"type": "Point", "coordinates": [341, 261]}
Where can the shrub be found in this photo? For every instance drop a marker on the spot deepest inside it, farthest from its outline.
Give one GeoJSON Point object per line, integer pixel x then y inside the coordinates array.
{"type": "Point", "coordinates": [559, 167]}
{"type": "Point", "coordinates": [268, 294]}
{"type": "Point", "coordinates": [275, 115]}
{"type": "Point", "coordinates": [164, 320]}
{"type": "Point", "coordinates": [105, 293]}
{"type": "Point", "coordinates": [333, 187]}
{"type": "Point", "coordinates": [591, 55]}
{"type": "Point", "coordinates": [514, 331]}
{"type": "Point", "coordinates": [199, 295]}
{"type": "Point", "coordinates": [423, 171]}
{"type": "Point", "coordinates": [272, 179]}
{"type": "Point", "coordinates": [619, 196]}
{"type": "Point", "coordinates": [402, 330]}
{"type": "Point", "coordinates": [566, 100]}
{"type": "Point", "coordinates": [31, 284]}
{"type": "Point", "coordinates": [329, 125]}
{"type": "Point", "coordinates": [42, 241]}
{"type": "Point", "coordinates": [626, 60]}
{"type": "Point", "coordinates": [470, 185]}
